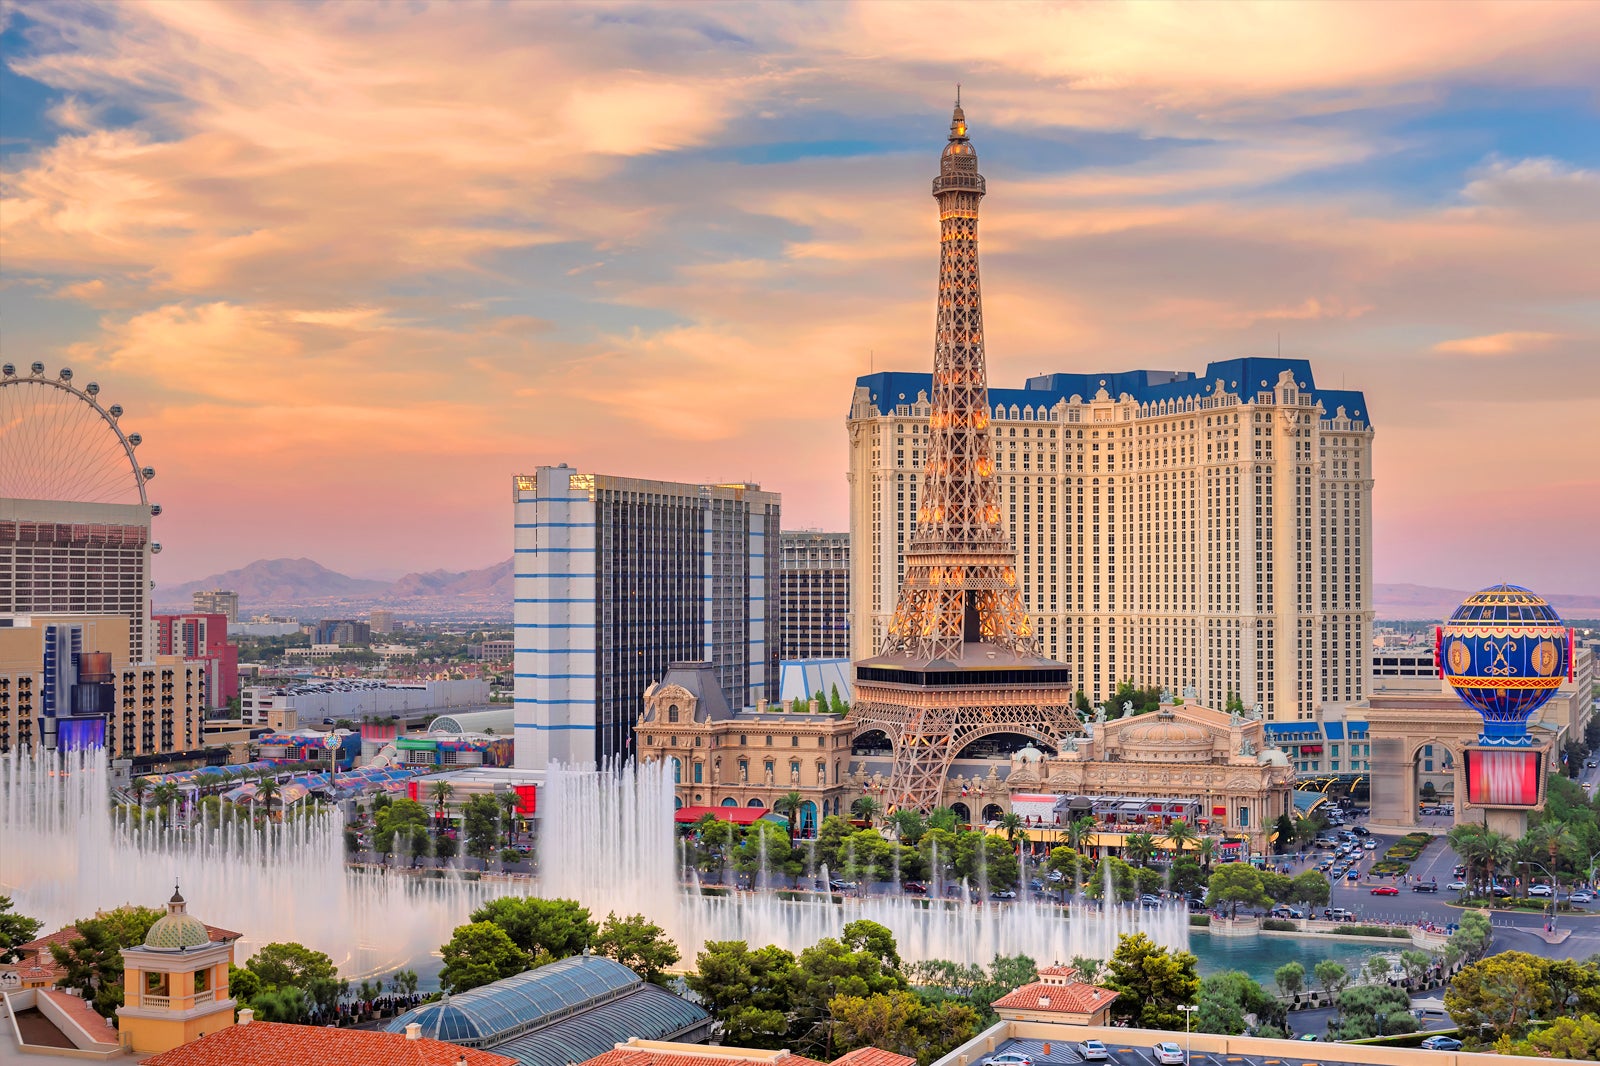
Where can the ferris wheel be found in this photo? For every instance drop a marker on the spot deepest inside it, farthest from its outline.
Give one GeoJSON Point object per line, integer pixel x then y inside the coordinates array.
{"type": "Point", "coordinates": [58, 443]}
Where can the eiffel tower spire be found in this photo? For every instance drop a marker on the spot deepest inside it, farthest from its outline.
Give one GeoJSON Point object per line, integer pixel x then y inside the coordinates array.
{"type": "Point", "coordinates": [959, 661]}
{"type": "Point", "coordinates": [961, 566]}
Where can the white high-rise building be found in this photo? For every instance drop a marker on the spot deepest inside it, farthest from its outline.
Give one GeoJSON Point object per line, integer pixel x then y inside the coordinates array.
{"type": "Point", "coordinates": [1207, 532]}
{"type": "Point", "coordinates": [617, 578]}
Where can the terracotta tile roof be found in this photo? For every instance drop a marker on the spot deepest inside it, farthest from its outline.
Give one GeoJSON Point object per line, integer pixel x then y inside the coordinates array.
{"type": "Point", "coordinates": [627, 1056]}
{"type": "Point", "coordinates": [279, 1044]}
{"type": "Point", "coordinates": [1076, 998]}
{"type": "Point", "coordinates": [871, 1056]}
{"type": "Point", "coordinates": [78, 1010]}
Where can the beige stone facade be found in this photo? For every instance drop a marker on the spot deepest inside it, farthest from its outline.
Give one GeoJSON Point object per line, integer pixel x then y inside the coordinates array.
{"type": "Point", "coordinates": [1219, 537]}
{"type": "Point", "coordinates": [747, 758]}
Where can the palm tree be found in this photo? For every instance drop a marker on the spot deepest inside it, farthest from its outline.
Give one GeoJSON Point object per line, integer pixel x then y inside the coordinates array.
{"type": "Point", "coordinates": [789, 805]}
{"type": "Point", "coordinates": [1498, 850]}
{"type": "Point", "coordinates": [163, 796]}
{"type": "Point", "coordinates": [1140, 846]}
{"type": "Point", "coordinates": [1206, 851]}
{"type": "Point", "coordinates": [1305, 831]}
{"type": "Point", "coordinates": [1079, 830]}
{"type": "Point", "coordinates": [268, 791]}
{"type": "Point", "coordinates": [866, 809]}
{"type": "Point", "coordinates": [440, 791]}
{"type": "Point", "coordinates": [138, 788]}
{"type": "Point", "coordinates": [1180, 833]}
{"type": "Point", "coordinates": [1011, 824]}
{"type": "Point", "coordinates": [510, 801]}
{"type": "Point", "coordinates": [908, 825]}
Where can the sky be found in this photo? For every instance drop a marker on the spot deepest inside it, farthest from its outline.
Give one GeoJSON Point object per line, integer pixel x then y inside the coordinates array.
{"type": "Point", "coordinates": [349, 267]}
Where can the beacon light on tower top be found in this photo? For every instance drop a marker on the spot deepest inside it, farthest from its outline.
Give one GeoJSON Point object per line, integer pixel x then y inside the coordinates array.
{"type": "Point", "coordinates": [1505, 651]}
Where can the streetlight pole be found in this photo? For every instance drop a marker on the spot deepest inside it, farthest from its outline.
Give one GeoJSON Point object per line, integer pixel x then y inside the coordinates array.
{"type": "Point", "coordinates": [1552, 878]}
{"type": "Point", "coordinates": [1188, 1037]}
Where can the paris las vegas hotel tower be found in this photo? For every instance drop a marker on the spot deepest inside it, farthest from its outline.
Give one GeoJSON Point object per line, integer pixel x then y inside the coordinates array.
{"type": "Point", "coordinates": [1209, 531]}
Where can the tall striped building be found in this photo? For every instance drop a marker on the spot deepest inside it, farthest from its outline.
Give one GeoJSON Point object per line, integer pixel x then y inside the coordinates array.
{"type": "Point", "coordinates": [617, 578]}
{"type": "Point", "coordinates": [1210, 531]}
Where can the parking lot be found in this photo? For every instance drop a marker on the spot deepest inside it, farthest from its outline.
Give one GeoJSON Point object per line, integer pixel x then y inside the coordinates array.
{"type": "Point", "coordinates": [1141, 1054]}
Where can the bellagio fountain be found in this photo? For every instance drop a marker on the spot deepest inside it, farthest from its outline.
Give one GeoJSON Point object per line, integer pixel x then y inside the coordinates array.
{"type": "Point", "coordinates": [606, 839]}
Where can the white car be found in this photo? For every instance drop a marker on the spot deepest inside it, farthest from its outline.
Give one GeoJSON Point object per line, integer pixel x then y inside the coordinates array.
{"type": "Point", "coordinates": [1539, 890]}
{"type": "Point", "coordinates": [1167, 1053]}
{"type": "Point", "coordinates": [1093, 1051]}
{"type": "Point", "coordinates": [1583, 895]}
{"type": "Point", "coordinates": [1457, 886]}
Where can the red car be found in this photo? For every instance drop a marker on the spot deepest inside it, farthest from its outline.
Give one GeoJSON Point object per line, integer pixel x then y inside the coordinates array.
{"type": "Point", "coordinates": [1385, 890]}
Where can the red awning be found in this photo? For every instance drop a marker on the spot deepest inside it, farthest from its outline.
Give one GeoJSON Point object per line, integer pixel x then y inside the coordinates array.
{"type": "Point", "coordinates": [736, 815]}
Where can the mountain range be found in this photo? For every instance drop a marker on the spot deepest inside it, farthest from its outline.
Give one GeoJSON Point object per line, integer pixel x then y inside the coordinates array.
{"type": "Point", "coordinates": [305, 582]}
{"type": "Point", "coordinates": [268, 583]}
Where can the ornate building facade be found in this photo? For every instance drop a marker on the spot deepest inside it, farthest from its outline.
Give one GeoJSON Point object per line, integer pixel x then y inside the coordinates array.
{"type": "Point", "coordinates": [723, 757]}
{"type": "Point", "coordinates": [959, 660]}
{"type": "Point", "coordinates": [1209, 530]}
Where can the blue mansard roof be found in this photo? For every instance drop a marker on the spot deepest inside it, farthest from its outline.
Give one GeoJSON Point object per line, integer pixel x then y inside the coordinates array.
{"type": "Point", "coordinates": [1244, 377]}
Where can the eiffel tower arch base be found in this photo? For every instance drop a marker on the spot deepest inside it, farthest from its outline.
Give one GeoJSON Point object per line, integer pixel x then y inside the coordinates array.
{"type": "Point", "coordinates": [930, 724]}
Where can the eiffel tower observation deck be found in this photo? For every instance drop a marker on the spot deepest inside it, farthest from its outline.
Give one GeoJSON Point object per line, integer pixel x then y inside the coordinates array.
{"type": "Point", "coordinates": [960, 660]}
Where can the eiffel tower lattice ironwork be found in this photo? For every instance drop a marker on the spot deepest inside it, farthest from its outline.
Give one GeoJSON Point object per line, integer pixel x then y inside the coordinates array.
{"type": "Point", "coordinates": [960, 659]}
{"type": "Point", "coordinates": [960, 583]}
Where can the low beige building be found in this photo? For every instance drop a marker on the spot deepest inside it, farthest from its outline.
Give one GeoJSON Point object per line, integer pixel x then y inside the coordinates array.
{"type": "Point", "coordinates": [1214, 769]}
{"type": "Point", "coordinates": [722, 757]}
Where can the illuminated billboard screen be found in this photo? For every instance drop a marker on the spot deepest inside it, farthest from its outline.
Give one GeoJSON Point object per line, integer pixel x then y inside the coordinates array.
{"type": "Point", "coordinates": [1503, 777]}
{"type": "Point", "coordinates": [80, 733]}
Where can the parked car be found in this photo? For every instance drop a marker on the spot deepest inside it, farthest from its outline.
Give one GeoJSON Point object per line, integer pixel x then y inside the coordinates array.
{"type": "Point", "coordinates": [842, 886]}
{"type": "Point", "coordinates": [1425, 886]}
{"type": "Point", "coordinates": [1385, 890]}
{"type": "Point", "coordinates": [1003, 894]}
{"type": "Point", "coordinates": [1457, 886]}
{"type": "Point", "coordinates": [1147, 900]}
{"type": "Point", "coordinates": [1196, 904]}
{"type": "Point", "coordinates": [1009, 1058]}
{"type": "Point", "coordinates": [915, 886]}
{"type": "Point", "coordinates": [1583, 895]}
{"type": "Point", "coordinates": [1442, 1043]}
{"type": "Point", "coordinates": [1539, 890]}
{"type": "Point", "coordinates": [1167, 1053]}
{"type": "Point", "coordinates": [1093, 1051]}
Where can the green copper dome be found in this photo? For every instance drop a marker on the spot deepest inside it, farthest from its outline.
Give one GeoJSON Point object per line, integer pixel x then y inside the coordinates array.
{"type": "Point", "coordinates": [177, 929]}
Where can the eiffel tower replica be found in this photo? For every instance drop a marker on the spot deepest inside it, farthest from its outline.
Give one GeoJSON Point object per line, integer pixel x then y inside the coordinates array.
{"type": "Point", "coordinates": [960, 660]}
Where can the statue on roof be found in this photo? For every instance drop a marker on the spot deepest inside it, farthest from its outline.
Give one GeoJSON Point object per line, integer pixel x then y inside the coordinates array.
{"type": "Point", "coordinates": [1189, 693]}
{"type": "Point", "coordinates": [1100, 714]}
{"type": "Point", "coordinates": [1127, 708]}
{"type": "Point", "coordinates": [1246, 748]}
{"type": "Point", "coordinates": [1257, 713]}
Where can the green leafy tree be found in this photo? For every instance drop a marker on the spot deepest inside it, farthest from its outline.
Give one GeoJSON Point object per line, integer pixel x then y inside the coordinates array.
{"type": "Point", "coordinates": [1576, 1038]}
{"type": "Point", "coordinates": [638, 944]}
{"type": "Point", "coordinates": [836, 702]}
{"type": "Point", "coordinates": [831, 835]}
{"type": "Point", "coordinates": [900, 1023]}
{"type": "Point", "coordinates": [479, 954]}
{"type": "Point", "coordinates": [15, 929]}
{"type": "Point", "coordinates": [1310, 888]}
{"type": "Point", "coordinates": [91, 962]}
{"type": "Point", "coordinates": [746, 992]}
{"type": "Point", "coordinates": [480, 821]}
{"type": "Point", "coordinates": [1283, 833]}
{"type": "Point", "coordinates": [1278, 887]}
{"type": "Point", "coordinates": [944, 818]}
{"type": "Point", "coordinates": [908, 825]}
{"type": "Point", "coordinates": [1227, 997]}
{"type": "Point", "coordinates": [1306, 829]}
{"type": "Point", "coordinates": [1374, 1010]}
{"type": "Point", "coordinates": [1152, 981]}
{"type": "Point", "coordinates": [1088, 970]}
{"type": "Point", "coordinates": [291, 965]}
{"type": "Point", "coordinates": [1290, 978]}
{"type": "Point", "coordinates": [1500, 993]}
{"type": "Point", "coordinates": [1237, 883]}
{"type": "Point", "coordinates": [765, 850]}
{"type": "Point", "coordinates": [832, 968]}
{"type": "Point", "coordinates": [1185, 876]}
{"type": "Point", "coordinates": [1332, 976]}
{"type": "Point", "coordinates": [1112, 873]}
{"type": "Point", "coordinates": [1377, 967]}
{"type": "Point", "coordinates": [288, 1004]}
{"type": "Point", "coordinates": [1472, 936]}
{"type": "Point", "coordinates": [244, 986]}
{"type": "Point", "coordinates": [398, 816]}
{"type": "Point", "coordinates": [1415, 964]}
{"type": "Point", "coordinates": [544, 929]}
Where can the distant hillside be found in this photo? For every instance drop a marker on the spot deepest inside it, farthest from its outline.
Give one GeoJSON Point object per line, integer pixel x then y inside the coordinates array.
{"type": "Point", "coordinates": [269, 583]}
{"type": "Point", "coordinates": [491, 581]}
{"type": "Point", "coordinates": [1424, 602]}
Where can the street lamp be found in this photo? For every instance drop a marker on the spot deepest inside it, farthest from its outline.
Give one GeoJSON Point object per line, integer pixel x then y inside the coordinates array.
{"type": "Point", "coordinates": [1552, 878]}
{"type": "Point", "coordinates": [1592, 858]}
{"type": "Point", "coordinates": [1188, 1037]}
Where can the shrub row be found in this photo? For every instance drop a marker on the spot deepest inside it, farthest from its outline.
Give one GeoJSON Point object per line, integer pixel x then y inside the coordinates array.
{"type": "Point", "coordinates": [1200, 919]}
{"type": "Point", "coordinates": [1376, 930]}
{"type": "Point", "coordinates": [1278, 925]}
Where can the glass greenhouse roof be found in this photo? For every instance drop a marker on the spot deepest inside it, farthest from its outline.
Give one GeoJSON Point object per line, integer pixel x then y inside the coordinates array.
{"type": "Point", "coordinates": [648, 1012]}
{"type": "Point", "coordinates": [517, 1005]}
